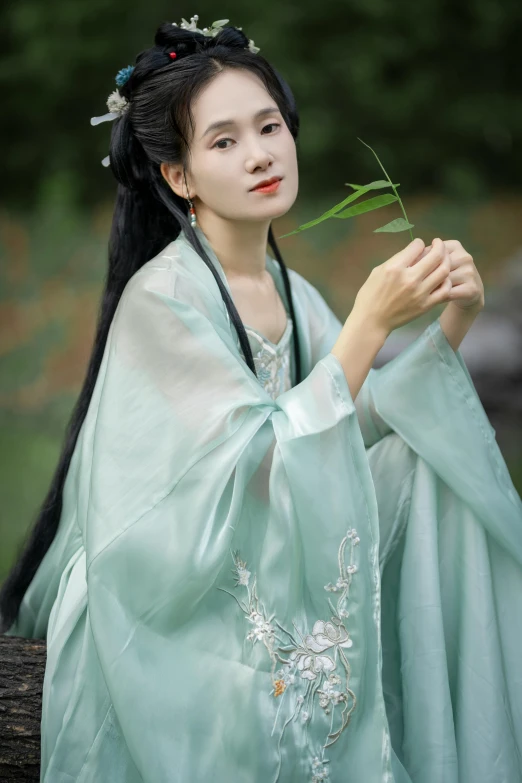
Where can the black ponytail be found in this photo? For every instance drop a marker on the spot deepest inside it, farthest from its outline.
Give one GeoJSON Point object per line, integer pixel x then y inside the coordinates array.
{"type": "Point", "coordinates": [148, 215]}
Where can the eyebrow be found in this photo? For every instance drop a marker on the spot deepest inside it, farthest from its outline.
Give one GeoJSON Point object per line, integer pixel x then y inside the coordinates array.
{"type": "Point", "coordinates": [224, 123]}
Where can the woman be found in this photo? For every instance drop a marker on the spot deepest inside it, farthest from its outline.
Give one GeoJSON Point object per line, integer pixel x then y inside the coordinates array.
{"type": "Point", "coordinates": [262, 560]}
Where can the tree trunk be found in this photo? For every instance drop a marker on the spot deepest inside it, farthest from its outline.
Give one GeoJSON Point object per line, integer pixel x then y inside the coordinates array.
{"type": "Point", "coordinates": [22, 666]}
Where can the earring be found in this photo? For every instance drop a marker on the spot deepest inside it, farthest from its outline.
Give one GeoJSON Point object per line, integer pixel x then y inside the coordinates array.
{"type": "Point", "coordinates": [191, 205]}
{"type": "Point", "coordinates": [192, 214]}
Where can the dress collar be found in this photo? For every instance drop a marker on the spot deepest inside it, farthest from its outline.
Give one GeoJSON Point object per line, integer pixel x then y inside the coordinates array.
{"type": "Point", "coordinates": [271, 264]}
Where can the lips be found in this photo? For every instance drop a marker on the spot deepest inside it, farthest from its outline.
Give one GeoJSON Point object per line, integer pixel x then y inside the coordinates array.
{"type": "Point", "coordinates": [266, 182]}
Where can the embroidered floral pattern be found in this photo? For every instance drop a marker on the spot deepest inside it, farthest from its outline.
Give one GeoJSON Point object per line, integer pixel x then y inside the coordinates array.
{"type": "Point", "coordinates": [319, 771]}
{"type": "Point", "coordinates": [272, 362]}
{"type": "Point", "coordinates": [262, 630]}
{"type": "Point", "coordinates": [313, 664]}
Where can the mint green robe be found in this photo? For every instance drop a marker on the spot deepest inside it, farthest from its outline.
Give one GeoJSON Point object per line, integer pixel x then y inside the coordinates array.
{"type": "Point", "coordinates": [246, 589]}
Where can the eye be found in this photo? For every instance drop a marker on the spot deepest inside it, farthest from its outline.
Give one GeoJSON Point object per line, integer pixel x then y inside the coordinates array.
{"type": "Point", "coordinates": [273, 124]}
{"type": "Point", "coordinates": [220, 141]}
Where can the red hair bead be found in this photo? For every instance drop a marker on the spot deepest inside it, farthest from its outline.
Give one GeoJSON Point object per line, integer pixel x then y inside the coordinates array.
{"type": "Point", "coordinates": [172, 55]}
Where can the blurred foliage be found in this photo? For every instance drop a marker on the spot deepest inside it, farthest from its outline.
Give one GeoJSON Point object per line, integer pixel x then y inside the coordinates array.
{"type": "Point", "coordinates": [434, 87]}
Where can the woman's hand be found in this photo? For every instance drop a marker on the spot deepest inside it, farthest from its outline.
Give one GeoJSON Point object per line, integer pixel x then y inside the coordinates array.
{"type": "Point", "coordinates": [467, 290]}
{"type": "Point", "coordinates": [405, 286]}
{"type": "Point", "coordinates": [466, 298]}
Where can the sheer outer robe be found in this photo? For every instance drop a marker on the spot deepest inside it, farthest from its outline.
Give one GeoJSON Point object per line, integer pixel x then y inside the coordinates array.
{"type": "Point", "coordinates": [184, 460]}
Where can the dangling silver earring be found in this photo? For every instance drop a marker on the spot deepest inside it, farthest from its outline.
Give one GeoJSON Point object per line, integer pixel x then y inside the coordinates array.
{"type": "Point", "coordinates": [191, 205]}
{"type": "Point", "coordinates": [193, 220]}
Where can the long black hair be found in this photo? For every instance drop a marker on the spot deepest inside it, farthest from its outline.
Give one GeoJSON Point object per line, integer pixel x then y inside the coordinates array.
{"type": "Point", "coordinates": [148, 215]}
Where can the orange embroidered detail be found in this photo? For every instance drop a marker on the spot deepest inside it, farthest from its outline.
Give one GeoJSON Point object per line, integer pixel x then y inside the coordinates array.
{"type": "Point", "coordinates": [279, 687]}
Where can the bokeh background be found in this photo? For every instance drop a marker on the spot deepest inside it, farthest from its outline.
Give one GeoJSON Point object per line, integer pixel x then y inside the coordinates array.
{"type": "Point", "coordinates": [433, 87]}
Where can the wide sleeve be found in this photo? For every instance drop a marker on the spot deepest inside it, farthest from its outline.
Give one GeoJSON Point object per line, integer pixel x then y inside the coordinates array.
{"type": "Point", "coordinates": [190, 474]}
{"type": "Point", "coordinates": [172, 391]}
{"type": "Point", "coordinates": [325, 328]}
{"type": "Point", "coordinates": [427, 396]}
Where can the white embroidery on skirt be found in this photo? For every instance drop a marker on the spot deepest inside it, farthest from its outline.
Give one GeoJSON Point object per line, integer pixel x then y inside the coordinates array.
{"type": "Point", "coordinates": [312, 663]}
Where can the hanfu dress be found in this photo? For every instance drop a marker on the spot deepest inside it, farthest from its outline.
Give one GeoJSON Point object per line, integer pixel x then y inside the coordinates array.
{"type": "Point", "coordinates": [258, 581]}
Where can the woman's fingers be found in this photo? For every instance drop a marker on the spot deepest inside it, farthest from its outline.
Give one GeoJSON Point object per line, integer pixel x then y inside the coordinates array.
{"type": "Point", "coordinates": [408, 255]}
{"type": "Point", "coordinates": [458, 276]}
{"type": "Point", "coordinates": [438, 262]}
{"type": "Point", "coordinates": [430, 259]}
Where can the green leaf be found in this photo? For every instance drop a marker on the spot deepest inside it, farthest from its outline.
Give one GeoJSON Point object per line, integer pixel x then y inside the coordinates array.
{"type": "Point", "coordinates": [379, 183]}
{"type": "Point", "coordinates": [367, 206]}
{"type": "Point", "coordinates": [337, 208]}
{"type": "Point", "coordinates": [399, 224]}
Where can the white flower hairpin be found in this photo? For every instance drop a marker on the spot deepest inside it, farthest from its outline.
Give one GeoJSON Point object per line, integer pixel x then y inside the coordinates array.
{"type": "Point", "coordinates": [211, 31]}
{"type": "Point", "coordinates": [118, 104]}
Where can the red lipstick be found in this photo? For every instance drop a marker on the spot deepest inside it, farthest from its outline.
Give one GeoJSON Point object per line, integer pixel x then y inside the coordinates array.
{"type": "Point", "coordinates": [268, 185]}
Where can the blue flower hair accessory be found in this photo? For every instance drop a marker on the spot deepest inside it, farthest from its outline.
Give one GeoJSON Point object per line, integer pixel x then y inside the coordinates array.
{"type": "Point", "coordinates": [124, 75]}
{"type": "Point", "coordinates": [118, 104]}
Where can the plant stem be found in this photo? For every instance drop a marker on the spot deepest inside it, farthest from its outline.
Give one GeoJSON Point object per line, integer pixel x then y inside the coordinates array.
{"type": "Point", "coordinates": [391, 183]}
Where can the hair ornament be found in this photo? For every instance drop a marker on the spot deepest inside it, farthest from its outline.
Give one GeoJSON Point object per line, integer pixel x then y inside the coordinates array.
{"type": "Point", "coordinates": [118, 104]}
{"type": "Point", "coordinates": [211, 31]}
{"type": "Point", "coordinates": [124, 75]}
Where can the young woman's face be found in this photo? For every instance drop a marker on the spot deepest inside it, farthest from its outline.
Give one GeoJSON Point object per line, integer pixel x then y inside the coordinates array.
{"type": "Point", "coordinates": [227, 162]}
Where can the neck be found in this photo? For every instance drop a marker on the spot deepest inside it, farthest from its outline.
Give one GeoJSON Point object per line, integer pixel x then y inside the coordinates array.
{"type": "Point", "coordinates": [240, 245]}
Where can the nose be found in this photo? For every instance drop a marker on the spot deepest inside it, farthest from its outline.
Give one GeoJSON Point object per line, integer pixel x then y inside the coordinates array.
{"type": "Point", "coordinates": [259, 156]}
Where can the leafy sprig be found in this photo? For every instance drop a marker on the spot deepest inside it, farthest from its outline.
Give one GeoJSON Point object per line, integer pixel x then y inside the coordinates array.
{"type": "Point", "coordinates": [340, 210]}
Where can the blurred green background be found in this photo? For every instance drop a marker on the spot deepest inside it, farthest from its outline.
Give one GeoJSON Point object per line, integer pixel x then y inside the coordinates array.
{"type": "Point", "coordinates": [433, 87]}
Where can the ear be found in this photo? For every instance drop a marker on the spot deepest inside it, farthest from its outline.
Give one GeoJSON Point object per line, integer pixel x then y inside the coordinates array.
{"type": "Point", "coordinates": [173, 175]}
